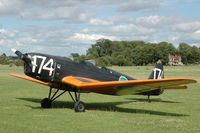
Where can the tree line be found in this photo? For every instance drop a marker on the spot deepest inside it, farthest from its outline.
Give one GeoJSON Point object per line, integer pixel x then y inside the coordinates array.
{"type": "Point", "coordinates": [9, 60]}
{"type": "Point", "coordinates": [125, 53]}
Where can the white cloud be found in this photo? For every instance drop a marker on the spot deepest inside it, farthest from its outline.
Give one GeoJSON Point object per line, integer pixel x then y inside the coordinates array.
{"type": "Point", "coordinates": [69, 14]}
{"type": "Point", "coordinates": [5, 42]}
{"type": "Point", "coordinates": [26, 40]}
{"type": "Point", "coordinates": [190, 26]}
{"type": "Point", "coordinates": [195, 36]}
{"type": "Point", "coordinates": [49, 40]}
{"type": "Point", "coordinates": [197, 32]}
{"type": "Point", "coordinates": [152, 20]}
{"type": "Point", "coordinates": [174, 38]}
{"type": "Point", "coordinates": [89, 38]}
{"type": "Point", "coordinates": [85, 30]}
{"type": "Point", "coordinates": [130, 29]}
{"type": "Point", "coordinates": [7, 34]}
{"type": "Point", "coordinates": [13, 7]}
{"type": "Point", "coordinates": [71, 9]}
{"type": "Point", "coordinates": [136, 5]}
{"type": "Point", "coordinates": [99, 22]}
{"type": "Point", "coordinates": [75, 24]}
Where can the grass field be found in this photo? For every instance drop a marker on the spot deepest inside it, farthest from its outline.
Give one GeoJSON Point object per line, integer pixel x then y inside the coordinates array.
{"type": "Point", "coordinates": [175, 111]}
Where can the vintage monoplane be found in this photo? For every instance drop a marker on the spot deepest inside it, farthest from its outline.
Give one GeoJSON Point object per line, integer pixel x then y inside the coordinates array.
{"type": "Point", "coordinates": [62, 73]}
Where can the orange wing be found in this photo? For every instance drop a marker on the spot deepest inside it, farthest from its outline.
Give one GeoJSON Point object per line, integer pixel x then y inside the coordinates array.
{"type": "Point", "coordinates": [126, 87]}
{"type": "Point", "coordinates": [34, 80]}
{"type": "Point", "coordinates": [117, 87]}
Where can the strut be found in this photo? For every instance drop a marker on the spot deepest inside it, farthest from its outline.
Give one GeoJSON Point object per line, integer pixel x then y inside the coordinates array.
{"type": "Point", "coordinates": [47, 102]}
{"type": "Point", "coordinates": [54, 97]}
{"type": "Point", "coordinates": [78, 105]}
{"type": "Point", "coordinates": [149, 100]}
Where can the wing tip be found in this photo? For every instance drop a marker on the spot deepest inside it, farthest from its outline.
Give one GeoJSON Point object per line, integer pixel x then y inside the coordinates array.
{"type": "Point", "coordinates": [192, 80]}
{"type": "Point", "coordinates": [12, 74]}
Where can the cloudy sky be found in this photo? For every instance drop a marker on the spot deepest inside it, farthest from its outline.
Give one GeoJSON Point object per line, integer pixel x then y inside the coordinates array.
{"type": "Point", "coordinates": [61, 27]}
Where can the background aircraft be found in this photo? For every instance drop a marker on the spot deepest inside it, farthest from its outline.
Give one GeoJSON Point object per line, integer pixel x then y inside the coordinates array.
{"type": "Point", "coordinates": [62, 73]}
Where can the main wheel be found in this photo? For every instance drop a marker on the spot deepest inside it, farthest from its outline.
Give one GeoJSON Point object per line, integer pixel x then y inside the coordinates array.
{"type": "Point", "coordinates": [79, 106]}
{"type": "Point", "coordinates": [46, 103]}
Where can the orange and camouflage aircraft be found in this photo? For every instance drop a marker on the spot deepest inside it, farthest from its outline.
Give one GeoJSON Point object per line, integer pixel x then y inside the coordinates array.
{"type": "Point", "coordinates": [63, 74]}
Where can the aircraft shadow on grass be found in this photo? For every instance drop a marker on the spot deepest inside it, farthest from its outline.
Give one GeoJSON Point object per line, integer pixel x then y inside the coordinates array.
{"type": "Point", "coordinates": [108, 106]}
{"type": "Point", "coordinates": [159, 100]}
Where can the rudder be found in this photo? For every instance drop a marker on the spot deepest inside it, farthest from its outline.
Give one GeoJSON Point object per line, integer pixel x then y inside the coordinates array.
{"type": "Point", "coordinates": [157, 72]}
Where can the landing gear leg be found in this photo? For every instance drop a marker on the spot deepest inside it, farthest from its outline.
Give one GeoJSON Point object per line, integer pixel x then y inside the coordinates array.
{"type": "Point", "coordinates": [47, 102]}
{"type": "Point", "coordinates": [149, 100]}
{"type": "Point", "coordinates": [79, 106]}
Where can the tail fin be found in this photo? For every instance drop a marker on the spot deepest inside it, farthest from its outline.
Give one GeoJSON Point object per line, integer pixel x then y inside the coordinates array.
{"type": "Point", "coordinates": [157, 72]}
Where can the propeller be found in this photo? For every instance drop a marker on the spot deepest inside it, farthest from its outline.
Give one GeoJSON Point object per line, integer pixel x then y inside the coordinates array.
{"type": "Point", "coordinates": [18, 53]}
{"type": "Point", "coordinates": [23, 57]}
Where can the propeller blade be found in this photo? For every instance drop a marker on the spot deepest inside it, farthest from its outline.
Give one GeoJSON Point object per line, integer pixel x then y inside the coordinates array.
{"type": "Point", "coordinates": [18, 53]}
{"type": "Point", "coordinates": [24, 57]}
{"type": "Point", "coordinates": [14, 50]}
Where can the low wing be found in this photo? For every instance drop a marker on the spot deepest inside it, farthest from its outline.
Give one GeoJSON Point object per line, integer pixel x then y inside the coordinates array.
{"type": "Point", "coordinates": [33, 80]}
{"type": "Point", "coordinates": [126, 87]}
{"type": "Point", "coordinates": [117, 87]}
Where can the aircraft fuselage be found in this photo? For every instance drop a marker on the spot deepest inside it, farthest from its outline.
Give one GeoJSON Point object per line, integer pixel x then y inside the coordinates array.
{"type": "Point", "coordinates": [50, 68]}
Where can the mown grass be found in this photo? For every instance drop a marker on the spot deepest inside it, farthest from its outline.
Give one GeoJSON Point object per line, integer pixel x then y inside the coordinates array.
{"type": "Point", "coordinates": [175, 111]}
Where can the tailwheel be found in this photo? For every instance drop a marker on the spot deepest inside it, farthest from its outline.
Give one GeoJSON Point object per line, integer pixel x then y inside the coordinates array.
{"type": "Point", "coordinates": [149, 100]}
{"type": "Point", "coordinates": [79, 106]}
{"type": "Point", "coordinates": [46, 103]}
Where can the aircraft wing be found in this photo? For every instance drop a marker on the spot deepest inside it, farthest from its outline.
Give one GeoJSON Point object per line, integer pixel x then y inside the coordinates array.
{"type": "Point", "coordinates": [126, 87]}
{"type": "Point", "coordinates": [33, 80]}
{"type": "Point", "coordinates": [117, 87]}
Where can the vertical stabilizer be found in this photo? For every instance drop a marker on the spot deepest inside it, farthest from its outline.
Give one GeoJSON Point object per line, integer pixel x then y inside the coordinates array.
{"type": "Point", "coordinates": [157, 72]}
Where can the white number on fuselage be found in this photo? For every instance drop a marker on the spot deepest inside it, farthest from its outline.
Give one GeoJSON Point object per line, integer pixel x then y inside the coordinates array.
{"type": "Point", "coordinates": [47, 66]}
{"type": "Point", "coordinates": [157, 73]}
{"type": "Point", "coordinates": [50, 69]}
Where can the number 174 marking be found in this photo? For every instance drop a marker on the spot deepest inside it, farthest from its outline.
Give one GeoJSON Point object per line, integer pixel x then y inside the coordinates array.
{"type": "Point", "coordinates": [47, 66]}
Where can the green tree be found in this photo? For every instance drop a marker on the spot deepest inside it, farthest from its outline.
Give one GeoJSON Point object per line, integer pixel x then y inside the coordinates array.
{"type": "Point", "coordinates": [122, 53]}
{"type": "Point", "coordinates": [183, 49]}
{"type": "Point", "coordinates": [193, 55]}
{"type": "Point", "coordinates": [74, 55]}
